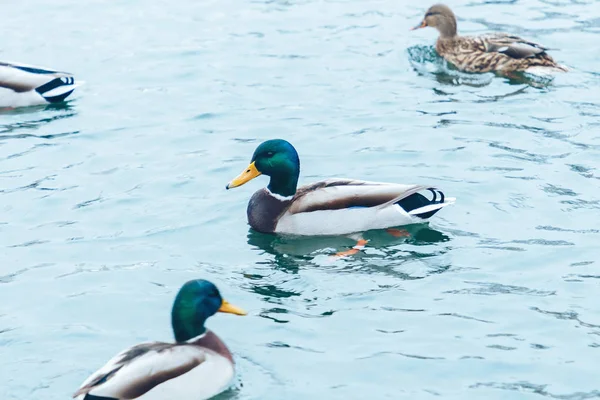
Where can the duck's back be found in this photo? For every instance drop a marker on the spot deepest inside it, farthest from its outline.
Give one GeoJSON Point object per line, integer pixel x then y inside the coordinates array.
{"type": "Point", "coordinates": [494, 52]}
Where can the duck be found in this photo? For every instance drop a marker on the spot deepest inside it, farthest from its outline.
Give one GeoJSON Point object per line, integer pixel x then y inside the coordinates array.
{"type": "Point", "coordinates": [337, 206]}
{"type": "Point", "coordinates": [495, 52]}
{"type": "Point", "coordinates": [197, 366]}
{"type": "Point", "coordinates": [24, 85]}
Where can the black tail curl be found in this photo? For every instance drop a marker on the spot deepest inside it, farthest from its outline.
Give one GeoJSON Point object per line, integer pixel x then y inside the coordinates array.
{"type": "Point", "coordinates": [417, 200]}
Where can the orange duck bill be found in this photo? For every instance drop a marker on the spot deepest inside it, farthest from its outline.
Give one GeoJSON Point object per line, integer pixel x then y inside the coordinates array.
{"type": "Point", "coordinates": [423, 24]}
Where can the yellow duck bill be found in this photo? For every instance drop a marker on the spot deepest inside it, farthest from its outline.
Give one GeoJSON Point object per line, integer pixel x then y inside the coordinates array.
{"type": "Point", "coordinates": [227, 307]}
{"type": "Point", "coordinates": [247, 175]}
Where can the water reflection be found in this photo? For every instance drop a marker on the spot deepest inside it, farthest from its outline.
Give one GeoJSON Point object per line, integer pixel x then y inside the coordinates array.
{"type": "Point", "coordinates": [36, 109]}
{"type": "Point", "coordinates": [385, 251]}
{"type": "Point", "coordinates": [53, 112]}
{"type": "Point", "coordinates": [307, 246]}
{"type": "Point", "coordinates": [426, 62]}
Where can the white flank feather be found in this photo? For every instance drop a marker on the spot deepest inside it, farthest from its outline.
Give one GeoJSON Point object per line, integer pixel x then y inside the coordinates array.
{"type": "Point", "coordinates": [210, 377]}
{"type": "Point", "coordinates": [10, 98]}
{"type": "Point", "coordinates": [340, 222]}
{"type": "Point", "coordinates": [309, 216]}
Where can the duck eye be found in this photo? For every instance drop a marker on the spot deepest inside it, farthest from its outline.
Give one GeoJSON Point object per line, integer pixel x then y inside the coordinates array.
{"type": "Point", "coordinates": [270, 154]}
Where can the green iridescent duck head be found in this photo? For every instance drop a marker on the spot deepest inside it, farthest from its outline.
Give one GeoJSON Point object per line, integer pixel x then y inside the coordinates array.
{"type": "Point", "coordinates": [196, 301]}
{"type": "Point", "coordinates": [277, 159]}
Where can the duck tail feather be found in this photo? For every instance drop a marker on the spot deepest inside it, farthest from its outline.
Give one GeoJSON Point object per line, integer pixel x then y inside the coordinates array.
{"type": "Point", "coordinates": [406, 194]}
{"type": "Point", "coordinates": [428, 211]}
{"type": "Point", "coordinates": [420, 206]}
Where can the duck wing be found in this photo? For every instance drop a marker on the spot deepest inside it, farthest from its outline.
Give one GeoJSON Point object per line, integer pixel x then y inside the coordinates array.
{"type": "Point", "coordinates": [336, 194]}
{"type": "Point", "coordinates": [23, 78]}
{"type": "Point", "coordinates": [140, 368]}
{"type": "Point", "coordinates": [512, 46]}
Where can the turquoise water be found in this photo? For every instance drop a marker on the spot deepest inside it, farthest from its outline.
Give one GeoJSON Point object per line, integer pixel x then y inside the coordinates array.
{"type": "Point", "coordinates": [110, 203]}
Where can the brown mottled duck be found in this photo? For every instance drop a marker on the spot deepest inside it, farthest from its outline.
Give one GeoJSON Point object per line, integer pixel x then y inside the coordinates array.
{"type": "Point", "coordinates": [495, 52]}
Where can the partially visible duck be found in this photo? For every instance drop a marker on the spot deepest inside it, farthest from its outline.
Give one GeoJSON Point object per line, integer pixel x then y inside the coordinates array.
{"type": "Point", "coordinates": [331, 207]}
{"type": "Point", "coordinates": [196, 367]}
{"type": "Point", "coordinates": [25, 85]}
{"type": "Point", "coordinates": [496, 52]}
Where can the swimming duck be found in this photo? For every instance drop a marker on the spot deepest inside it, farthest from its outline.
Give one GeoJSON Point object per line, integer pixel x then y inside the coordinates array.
{"type": "Point", "coordinates": [330, 207]}
{"type": "Point", "coordinates": [25, 85]}
{"type": "Point", "coordinates": [197, 366]}
{"type": "Point", "coordinates": [500, 52]}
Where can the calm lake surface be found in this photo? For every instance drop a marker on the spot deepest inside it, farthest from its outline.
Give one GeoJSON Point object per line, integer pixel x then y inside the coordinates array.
{"type": "Point", "coordinates": [112, 202]}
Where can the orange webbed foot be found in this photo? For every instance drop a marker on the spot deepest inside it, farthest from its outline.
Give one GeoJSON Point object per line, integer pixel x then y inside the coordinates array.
{"type": "Point", "coordinates": [360, 245]}
{"type": "Point", "coordinates": [398, 232]}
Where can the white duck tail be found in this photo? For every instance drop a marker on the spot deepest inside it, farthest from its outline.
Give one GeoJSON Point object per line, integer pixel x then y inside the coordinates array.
{"type": "Point", "coordinates": [25, 85]}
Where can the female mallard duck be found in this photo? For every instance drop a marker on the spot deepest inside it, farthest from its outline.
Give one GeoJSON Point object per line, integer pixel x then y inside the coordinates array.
{"type": "Point", "coordinates": [24, 85]}
{"type": "Point", "coordinates": [331, 207]}
{"type": "Point", "coordinates": [499, 52]}
{"type": "Point", "coordinates": [197, 366]}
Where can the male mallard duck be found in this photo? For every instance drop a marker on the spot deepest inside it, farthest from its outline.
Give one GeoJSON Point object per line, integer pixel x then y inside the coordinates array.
{"type": "Point", "coordinates": [499, 52]}
{"type": "Point", "coordinates": [25, 85]}
{"type": "Point", "coordinates": [197, 366]}
{"type": "Point", "coordinates": [331, 207]}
